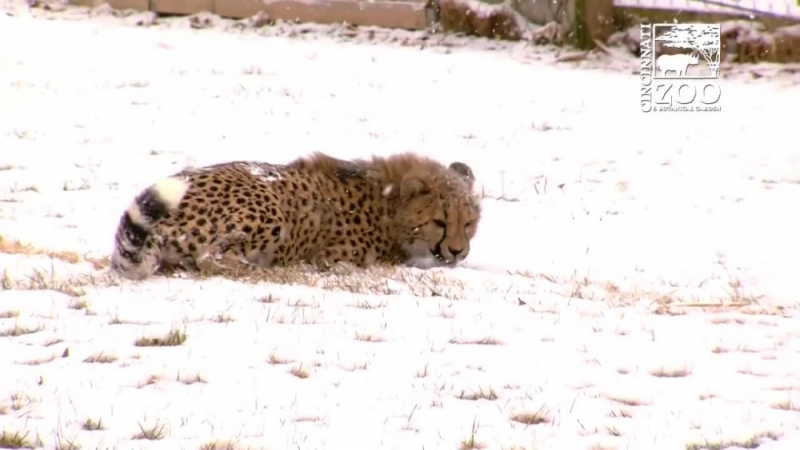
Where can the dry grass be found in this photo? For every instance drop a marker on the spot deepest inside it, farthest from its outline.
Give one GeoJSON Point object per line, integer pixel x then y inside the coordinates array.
{"type": "Point", "coordinates": [786, 387]}
{"type": "Point", "coordinates": [91, 425]}
{"type": "Point", "coordinates": [678, 372]}
{"type": "Point", "coordinates": [223, 317]}
{"type": "Point", "coordinates": [665, 302]}
{"type": "Point", "coordinates": [531, 417]}
{"type": "Point", "coordinates": [78, 304]}
{"type": "Point", "coordinates": [621, 413]}
{"type": "Point", "coordinates": [20, 400]}
{"type": "Point", "coordinates": [268, 299]}
{"type": "Point", "coordinates": [52, 342]}
{"type": "Point", "coordinates": [153, 433]}
{"type": "Point", "coordinates": [489, 340]}
{"type": "Point", "coordinates": [16, 247]}
{"type": "Point", "coordinates": [308, 419]}
{"type": "Point", "coordinates": [786, 405]}
{"type": "Point", "coordinates": [299, 316]}
{"type": "Point", "coordinates": [67, 444]}
{"type": "Point", "coordinates": [628, 401]}
{"type": "Point", "coordinates": [354, 367]}
{"type": "Point", "coordinates": [303, 303]}
{"type": "Point", "coordinates": [16, 439]}
{"type": "Point", "coordinates": [20, 330]}
{"type": "Point", "coordinates": [471, 442]}
{"type": "Point", "coordinates": [365, 304]}
{"type": "Point", "coordinates": [16, 188]}
{"type": "Point", "coordinates": [480, 394]}
{"type": "Point", "coordinates": [9, 314]}
{"type": "Point", "coordinates": [40, 279]}
{"type": "Point", "coordinates": [83, 185]}
{"type": "Point", "coordinates": [371, 281]}
{"type": "Point", "coordinates": [219, 444]}
{"type": "Point", "coordinates": [172, 339]}
{"type": "Point", "coordinates": [101, 358]}
{"type": "Point", "coordinates": [38, 362]}
{"type": "Point", "coordinates": [446, 313]}
{"type": "Point", "coordinates": [47, 280]}
{"type": "Point", "coordinates": [191, 379]}
{"type": "Point", "coordinates": [751, 442]}
{"type": "Point", "coordinates": [737, 296]}
{"type": "Point", "coordinates": [115, 321]}
{"type": "Point", "coordinates": [274, 359]}
{"type": "Point", "coordinates": [750, 371]}
{"type": "Point", "coordinates": [707, 396]}
{"type": "Point", "coordinates": [407, 425]}
{"type": "Point", "coordinates": [151, 380]}
{"type": "Point", "coordinates": [299, 372]}
{"type": "Point", "coordinates": [367, 337]}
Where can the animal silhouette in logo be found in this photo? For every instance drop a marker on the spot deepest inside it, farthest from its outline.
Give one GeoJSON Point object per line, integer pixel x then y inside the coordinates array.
{"type": "Point", "coordinates": [702, 42]}
{"type": "Point", "coordinates": [678, 63]}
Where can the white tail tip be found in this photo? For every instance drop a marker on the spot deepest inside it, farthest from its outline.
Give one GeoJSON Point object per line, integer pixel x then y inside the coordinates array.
{"type": "Point", "coordinates": [171, 191]}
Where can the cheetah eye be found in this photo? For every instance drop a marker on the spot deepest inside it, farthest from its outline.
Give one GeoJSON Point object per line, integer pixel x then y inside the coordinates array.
{"type": "Point", "coordinates": [469, 224]}
{"type": "Point", "coordinates": [440, 223]}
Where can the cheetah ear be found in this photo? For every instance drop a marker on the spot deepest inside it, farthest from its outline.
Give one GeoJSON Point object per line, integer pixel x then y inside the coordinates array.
{"type": "Point", "coordinates": [413, 187]}
{"type": "Point", "coordinates": [463, 170]}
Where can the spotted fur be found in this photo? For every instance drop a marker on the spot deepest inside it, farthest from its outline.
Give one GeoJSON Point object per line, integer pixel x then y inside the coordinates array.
{"type": "Point", "coordinates": [318, 210]}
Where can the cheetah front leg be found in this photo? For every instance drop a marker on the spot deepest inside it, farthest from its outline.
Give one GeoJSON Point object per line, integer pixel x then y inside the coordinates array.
{"type": "Point", "coordinates": [216, 257]}
{"type": "Point", "coordinates": [339, 257]}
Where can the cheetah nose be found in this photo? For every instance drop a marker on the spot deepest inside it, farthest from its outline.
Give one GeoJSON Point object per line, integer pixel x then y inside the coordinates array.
{"type": "Point", "coordinates": [455, 252]}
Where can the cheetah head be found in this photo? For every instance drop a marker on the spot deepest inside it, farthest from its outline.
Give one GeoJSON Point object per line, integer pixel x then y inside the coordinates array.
{"type": "Point", "coordinates": [438, 214]}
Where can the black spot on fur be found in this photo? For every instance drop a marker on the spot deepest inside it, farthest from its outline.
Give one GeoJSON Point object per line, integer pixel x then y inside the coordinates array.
{"type": "Point", "coordinates": [151, 206]}
{"type": "Point", "coordinates": [134, 232]}
{"type": "Point", "coordinates": [347, 171]}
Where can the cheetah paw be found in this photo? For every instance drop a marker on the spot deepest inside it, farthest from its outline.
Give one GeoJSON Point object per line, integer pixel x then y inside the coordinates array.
{"type": "Point", "coordinates": [227, 241]}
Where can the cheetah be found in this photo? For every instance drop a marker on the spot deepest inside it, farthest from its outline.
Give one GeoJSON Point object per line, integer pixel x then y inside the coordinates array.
{"type": "Point", "coordinates": [316, 210]}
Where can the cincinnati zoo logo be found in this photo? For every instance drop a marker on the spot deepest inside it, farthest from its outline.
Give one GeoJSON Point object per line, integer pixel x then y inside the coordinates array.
{"type": "Point", "coordinates": [680, 67]}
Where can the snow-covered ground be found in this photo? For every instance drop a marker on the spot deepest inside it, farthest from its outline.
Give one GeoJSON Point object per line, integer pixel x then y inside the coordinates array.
{"type": "Point", "coordinates": [632, 285]}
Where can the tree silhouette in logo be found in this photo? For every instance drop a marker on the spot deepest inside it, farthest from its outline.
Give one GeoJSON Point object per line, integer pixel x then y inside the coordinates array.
{"type": "Point", "coordinates": [703, 38]}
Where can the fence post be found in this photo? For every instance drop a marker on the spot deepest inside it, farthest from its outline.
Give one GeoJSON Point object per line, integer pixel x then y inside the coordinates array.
{"type": "Point", "coordinates": [594, 19]}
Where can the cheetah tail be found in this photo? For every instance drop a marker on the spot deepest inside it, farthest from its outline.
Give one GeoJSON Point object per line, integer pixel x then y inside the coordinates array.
{"type": "Point", "coordinates": [133, 257]}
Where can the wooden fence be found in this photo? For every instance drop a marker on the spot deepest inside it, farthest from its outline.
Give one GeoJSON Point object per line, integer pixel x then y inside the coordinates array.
{"type": "Point", "coordinates": [786, 11]}
{"type": "Point", "coordinates": [579, 22]}
{"type": "Point", "coordinates": [407, 14]}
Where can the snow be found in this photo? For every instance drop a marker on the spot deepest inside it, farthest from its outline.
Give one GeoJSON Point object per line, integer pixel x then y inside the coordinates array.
{"type": "Point", "coordinates": [615, 248]}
